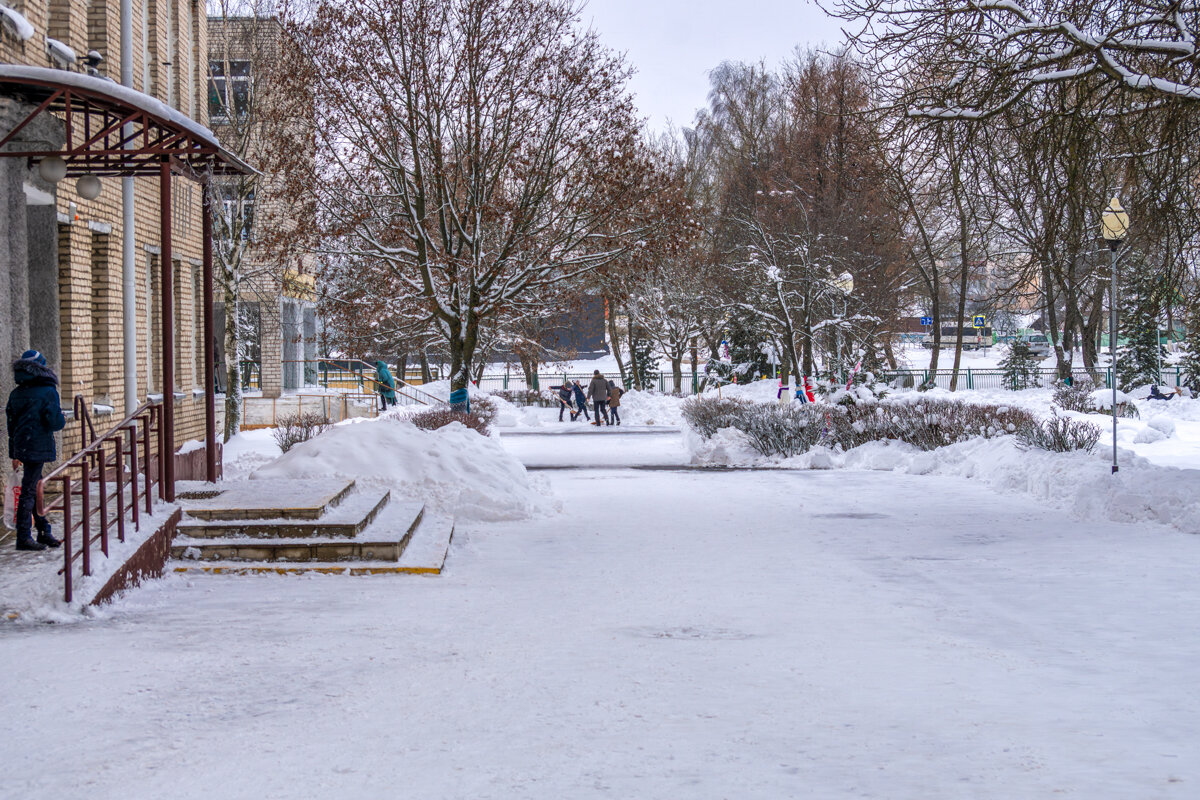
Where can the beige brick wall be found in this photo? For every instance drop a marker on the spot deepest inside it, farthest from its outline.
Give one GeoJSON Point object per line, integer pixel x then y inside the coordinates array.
{"type": "Point", "coordinates": [90, 288]}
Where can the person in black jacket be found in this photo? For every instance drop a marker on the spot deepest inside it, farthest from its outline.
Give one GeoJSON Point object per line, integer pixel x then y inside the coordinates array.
{"type": "Point", "coordinates": [564, 401]}
{"type": "Point", "coordinates": [34, 414]}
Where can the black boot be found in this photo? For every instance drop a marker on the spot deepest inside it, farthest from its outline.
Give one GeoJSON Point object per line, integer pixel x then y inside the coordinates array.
{"type": "Point", "coordinates": [26, 542]}
{"type": "Point", "coordinates": [47, 538]}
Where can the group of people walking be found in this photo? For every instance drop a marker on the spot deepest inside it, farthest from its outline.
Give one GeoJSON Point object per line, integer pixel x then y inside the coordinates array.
{"type": "Point", "coordinates": [605, 397]}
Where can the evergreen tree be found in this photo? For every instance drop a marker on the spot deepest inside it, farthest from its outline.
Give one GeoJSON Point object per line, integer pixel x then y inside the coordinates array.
{"type": "Point", "coordinates": [644, 363]}
{"type": "Point", "coordinates": [1190, 365]}
{"type": "Point", "coordinates": [748, 357]}
{"type": "Point", "coordinates": [1140, 302]}
{"type": "Point", "coordinates": [1020, 367]}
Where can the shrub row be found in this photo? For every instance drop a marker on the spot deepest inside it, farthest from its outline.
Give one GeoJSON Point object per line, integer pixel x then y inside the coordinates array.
{"type": "Point", "coordinates": [791, 429]}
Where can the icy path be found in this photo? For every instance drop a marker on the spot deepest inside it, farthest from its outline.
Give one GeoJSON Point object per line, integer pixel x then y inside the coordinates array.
{"type": "Point", "coordinates": [671, 635]}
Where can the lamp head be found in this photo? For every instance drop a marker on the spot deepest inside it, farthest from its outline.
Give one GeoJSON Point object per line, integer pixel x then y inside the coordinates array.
{"type": "Point", "coordinates": [1114, 222]}
{"type": "Point", "coordinates": [52, 169]}
{"type": "Point", "coordinates": [88, 187]}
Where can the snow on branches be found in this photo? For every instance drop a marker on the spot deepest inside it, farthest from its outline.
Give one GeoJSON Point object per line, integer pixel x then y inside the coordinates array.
{"type": "Point", "coordinates": [475, 154]}
{"type": "Point", "coordinates": [978, 58]}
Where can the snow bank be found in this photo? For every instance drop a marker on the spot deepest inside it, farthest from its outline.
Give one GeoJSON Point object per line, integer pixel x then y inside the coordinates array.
{"type": "Point", "coordinates": [1080, 482]}
{"type": "Point", "coordinates": [453, 469]}
{"type": "Point", "coordinates": [650, 408]}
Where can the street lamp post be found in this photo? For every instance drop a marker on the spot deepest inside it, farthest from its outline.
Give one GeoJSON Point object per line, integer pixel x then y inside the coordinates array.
{"type": "Point", "coordinates": [845, 283]}
{"type": "Point", "coordinates": [1114, 223]}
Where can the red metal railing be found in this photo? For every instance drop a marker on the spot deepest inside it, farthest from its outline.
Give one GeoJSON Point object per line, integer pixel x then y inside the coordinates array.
{"type": "Point", "coordinates": [103, 461]}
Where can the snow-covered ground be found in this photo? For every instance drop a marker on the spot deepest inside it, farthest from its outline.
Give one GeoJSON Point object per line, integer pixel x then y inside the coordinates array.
{"type": "Point", "coordinates": [669, 634]}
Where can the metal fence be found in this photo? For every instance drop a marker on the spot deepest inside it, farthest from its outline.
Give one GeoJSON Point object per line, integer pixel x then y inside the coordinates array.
{"type": "Point", "coordinates": [265, 412]}
{"type": "Point", "coordinates": [663, 382]}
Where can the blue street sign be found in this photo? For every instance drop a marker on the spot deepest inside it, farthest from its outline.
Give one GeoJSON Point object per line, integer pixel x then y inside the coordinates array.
{"type": "Point", "coordinates": [980, 321]}
{"type": "Point", "coordinates": [926, 320]}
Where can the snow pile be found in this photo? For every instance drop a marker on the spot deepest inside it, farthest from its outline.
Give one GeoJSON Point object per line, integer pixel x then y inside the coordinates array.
{"type": "Point", "coordinates": [511, 415]}
{"type": "Point", "coordinates": [650, 408]}
{"type": "Point", "coordinates": [763, 391]}
{"type": "Point", "coordinates": [247, 451]}
{"type": "Point", "coordinates": [452, 469]}
{"type": "Point", "coordinates": [726, 448]}
{"type": "Point", "coordinates": [1080, 482]}
{"type": "Point", "coordinates": [1157, 429]}
{"type": "Point", "coordinates": [1102, 399]}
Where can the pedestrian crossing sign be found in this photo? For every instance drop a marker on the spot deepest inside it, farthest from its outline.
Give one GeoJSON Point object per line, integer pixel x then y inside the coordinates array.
{"type": "Point", "coordinates": [980, 321]}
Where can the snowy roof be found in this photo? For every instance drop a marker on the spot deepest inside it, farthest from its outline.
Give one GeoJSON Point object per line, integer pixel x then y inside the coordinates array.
{"type": "Point", "coordinates": [40, 83]}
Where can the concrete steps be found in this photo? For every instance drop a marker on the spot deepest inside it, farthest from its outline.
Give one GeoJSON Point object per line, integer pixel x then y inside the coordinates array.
{"type": "Point", "coordinates": [346, 520]}
{"type": "Point", "coordinates": [328, 527]}
{"type": "Point", "coordinates": [270, 499]}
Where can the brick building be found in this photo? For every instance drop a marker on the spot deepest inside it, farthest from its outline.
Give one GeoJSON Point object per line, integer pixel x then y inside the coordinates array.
{"type": "Point", "coordinates": [255, 114]}
{"type": "Point", "coordinates": [61, 262]}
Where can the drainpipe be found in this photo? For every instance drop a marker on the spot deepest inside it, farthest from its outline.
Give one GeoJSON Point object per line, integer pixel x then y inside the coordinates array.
{"type": "Point", "coordinates": [128, 247]}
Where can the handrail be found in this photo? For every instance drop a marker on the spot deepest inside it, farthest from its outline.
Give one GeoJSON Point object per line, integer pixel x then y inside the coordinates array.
{"type": "Point", "coordinates": [409, 390]}
{"type": "Point", "coordinates": [80, 410]}
{"type": "Point", "coordinates": [92, 465]}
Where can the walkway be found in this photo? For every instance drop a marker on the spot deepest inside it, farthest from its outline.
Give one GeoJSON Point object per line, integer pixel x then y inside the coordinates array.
{"type": "Point", "coordinates": [669, 635]}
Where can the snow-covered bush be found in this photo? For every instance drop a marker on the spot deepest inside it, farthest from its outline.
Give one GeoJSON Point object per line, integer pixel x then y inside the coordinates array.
{"type": "Point", "coordinates": [479, 419]}
{"type": "Point", "coordinates": [1059, 434]}
{"type": "Point", "coordinates": [927, 425]}
{"type": "Point", "coordinates": [787, 431]}
{"type": "Point", "coordinates": [1075, 396]}
{"type": "Point", "coordinates": [864, 388]}
{"type": "Point", "coordinates": [1102, 401]}
{"type": "Point", "coordinates": [293, 429]}
{"type": "Point", "coordinates": [707, 415]}
{"type": "Point", "coordinates": [790, 430]}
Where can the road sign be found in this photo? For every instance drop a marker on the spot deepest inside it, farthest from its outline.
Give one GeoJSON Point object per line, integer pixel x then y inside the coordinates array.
{"type": "Point", "coordinates": [980, 321]}
{"type": "Point", "coordinates": [926, 320]}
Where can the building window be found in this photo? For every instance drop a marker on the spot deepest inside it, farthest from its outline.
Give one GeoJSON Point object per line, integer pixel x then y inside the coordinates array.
{"type": "Point", "coordinates": [236, 220]}
{"type": "Point", "coordinates": [228, 88]}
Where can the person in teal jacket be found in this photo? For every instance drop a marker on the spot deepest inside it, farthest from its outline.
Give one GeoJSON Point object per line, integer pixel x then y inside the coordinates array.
{"type": "Point", "coordinates": [387, 385]}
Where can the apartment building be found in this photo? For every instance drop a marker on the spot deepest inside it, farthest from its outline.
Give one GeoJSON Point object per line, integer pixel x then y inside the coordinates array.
{"type": "Point", "coordinates": [69, 133]}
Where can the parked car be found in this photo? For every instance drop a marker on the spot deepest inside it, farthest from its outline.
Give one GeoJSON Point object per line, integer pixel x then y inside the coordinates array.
{"type": "Point", "coordinates": [1039, 345]}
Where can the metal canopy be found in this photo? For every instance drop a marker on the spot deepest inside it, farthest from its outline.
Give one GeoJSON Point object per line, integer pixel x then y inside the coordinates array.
{"type": "Point", "coordinates": [112, 129]}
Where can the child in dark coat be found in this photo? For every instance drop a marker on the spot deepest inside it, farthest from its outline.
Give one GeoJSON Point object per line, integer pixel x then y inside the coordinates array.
{"type": "Point", "coordinates": [34, 414]}
{"type": "Point", "coordinates": [580, 400]}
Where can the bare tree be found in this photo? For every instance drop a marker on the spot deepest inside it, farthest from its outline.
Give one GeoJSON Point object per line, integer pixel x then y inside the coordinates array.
{"type": "Point", "coordinates": [262, 224]}
{"type": "Point", "coordinates": [983, 57]}
{"type": "Point", "coordinates": [474, 154]}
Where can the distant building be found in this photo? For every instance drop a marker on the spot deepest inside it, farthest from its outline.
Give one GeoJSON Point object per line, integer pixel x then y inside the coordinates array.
{"type": "Point", "coordinates": [278, 303]}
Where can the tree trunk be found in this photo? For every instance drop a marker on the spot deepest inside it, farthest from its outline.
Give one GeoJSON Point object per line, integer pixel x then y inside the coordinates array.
{"type": "Point", "coordinates": [677, 371]}
{"type": "Point", "coordinates": [1062, 366]}
{"type": "Point", "coordinates": [806, 346]}
{"type": "Point", "coordinates": [633, 365]}
{"type": "Point", "coordinates": [426, 376]}
{"type": "Point", "coordinates": [962, 310]}
{"type": "Point", "coordinates": [464, 336]}
{"type": "Point", "coordinates": [615, 339]}
{"type": "Point", "coordinates": [401, 367]}
{"type": "Point", "coordinates": [233, 364]}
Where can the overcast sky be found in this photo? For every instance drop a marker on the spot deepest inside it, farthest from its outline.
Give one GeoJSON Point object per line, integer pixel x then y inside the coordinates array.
{"type": "Point", "coordinates": [674, 43]}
